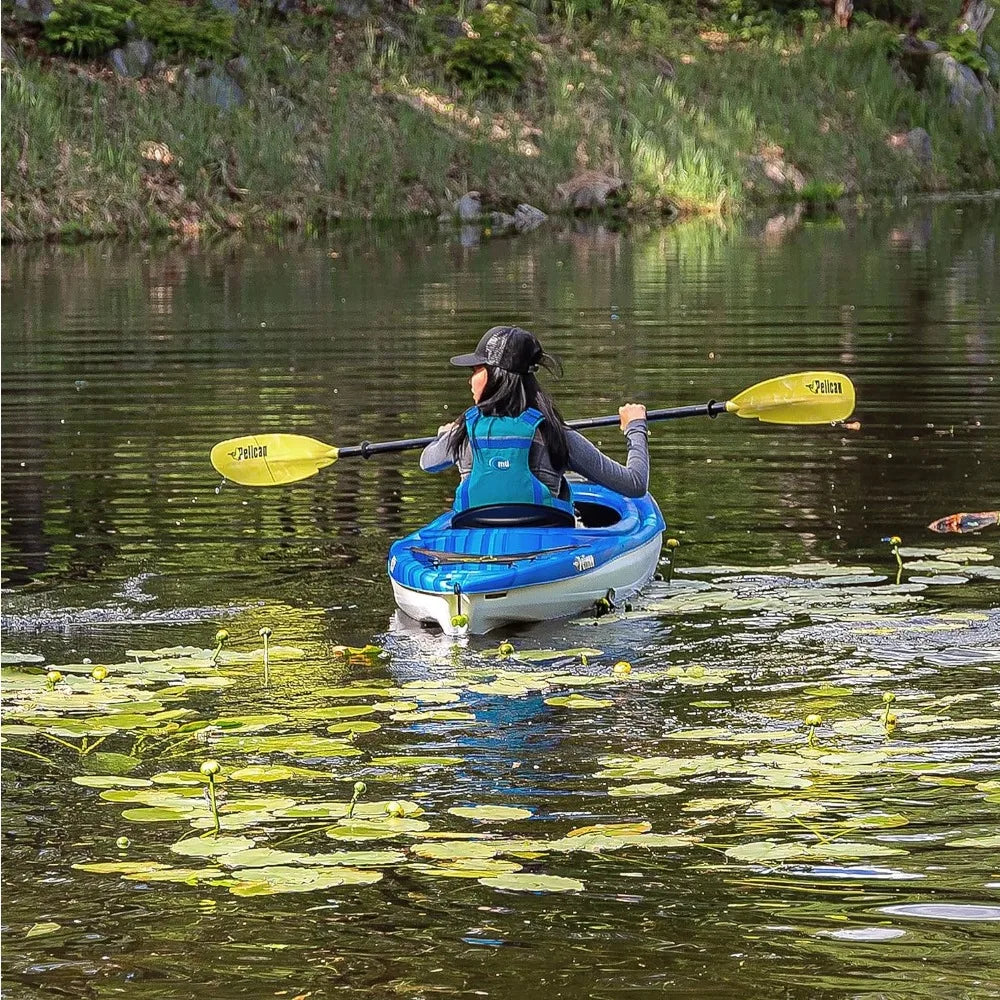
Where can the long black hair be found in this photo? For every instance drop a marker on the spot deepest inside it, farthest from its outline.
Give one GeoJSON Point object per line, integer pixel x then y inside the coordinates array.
{"type": "Point", "coordinates": [508, 394]}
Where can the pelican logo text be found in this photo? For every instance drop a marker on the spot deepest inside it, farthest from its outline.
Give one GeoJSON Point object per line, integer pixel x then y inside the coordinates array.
{"type": "Point", "coordinates": [501, 464]}
{"type": "Point", "coordinates": [825, 387]}
{"type": "Point", "coordinates": [244, 452]}
{"type": "Point", "coordinates": [580, 563]}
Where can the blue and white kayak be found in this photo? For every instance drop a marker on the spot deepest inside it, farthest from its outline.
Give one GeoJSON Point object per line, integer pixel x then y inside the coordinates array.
{"type": "Point", "coordinates": [474, 580]}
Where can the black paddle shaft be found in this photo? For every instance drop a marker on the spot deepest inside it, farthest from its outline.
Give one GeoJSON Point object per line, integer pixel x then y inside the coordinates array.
{"type": "Point", "coordinates": [367, 449]}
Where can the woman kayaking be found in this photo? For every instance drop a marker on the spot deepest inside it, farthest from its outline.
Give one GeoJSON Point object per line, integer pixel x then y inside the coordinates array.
{"type": "Point", "coordinates": [514, 419]}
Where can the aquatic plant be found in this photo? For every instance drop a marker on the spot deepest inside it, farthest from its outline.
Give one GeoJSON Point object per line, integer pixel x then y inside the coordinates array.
{"type": "Point", "coordinates": [812, 721]}
{"type": "Point", "coordinates": [672, 546]}
{"type": "Point", "coordinates": [123, 843]}
{"type": "Point", "coordinates": [359, 789]}
{"type": "Point", "coordinates": [887, 699]}
{"type": "Point", "coordinates": [894, 542]}
{"type": "Point", "coordinates": [459, 621]}
{"type": "Point", "coordinates": [265, 633]}
{"type": "Point", "coordinates": [221, 637]}
{"type": "Point", "coordinates": [505, 649]}
{"type": "Point", "coordinates": [622, 667]}
{"type": "Point", "coordinates": [52, 678]}
{"type": "Point", "coordinates": [211, 769]}
{"type": "Point", "coordinates": [99, 674]}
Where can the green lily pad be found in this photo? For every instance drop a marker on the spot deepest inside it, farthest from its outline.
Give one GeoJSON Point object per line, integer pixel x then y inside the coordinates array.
{"type": "Point", "coordinates": [526, 882]}
{"type": "Point", "coordinates": [338, 712]}
{"type": "Point", "coordinates": [189, 875]}
{"type": "Point", "coordinates": [205, 847]}
{"type": "Point", "coordinates": [110, 781]}
{"type": "Point", "coordinates": [299, 744]}
{"type": "Point", "coordinates": [389, 707]}
{"type": "Point", "coordinates": [264, 773]}
{"type": "Point", "coordinates": [262, 857]}
{"type": "Point", "coordinates": [646, 788]}
{"type": "Point", "coordinates": [155, 814]}
{"type": "Point", "coordinates": [434, 715]}
{"type": "Point", "coordinates": [42, 929]}
{"type": "Point", "coordinates": [472, 868]}
{"type": "Point", "coordinates": [992, 840]}
{"type": "Point", "coordinates": [545, 655]}
{"type": "Point", "coordinates": [119, 867]}
{"type": "Point", "coordinates": [356, 726]}
{"type": "Point", "coordinates": [374, 828]}
{"type": "Point", "coordinates": [101, 762]}
{"type": "Point", "coordinates": [711, 805]}
{"type": "Point", "coordinates": [786, 808]}
{"type": "Point", "coordinates": [577, 701]}
{"type": "Point", "coordinates": [497, 814]}
{"type": "Point", "coordinates": [289, 878]}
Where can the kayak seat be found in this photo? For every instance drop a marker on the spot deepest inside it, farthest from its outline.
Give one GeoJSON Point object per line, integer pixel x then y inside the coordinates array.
{"type": "Point", "coordinates": [513, 515]}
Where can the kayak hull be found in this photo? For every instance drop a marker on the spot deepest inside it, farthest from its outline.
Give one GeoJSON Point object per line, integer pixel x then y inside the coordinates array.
{"type": "Point", "coordinates": [498, 577]}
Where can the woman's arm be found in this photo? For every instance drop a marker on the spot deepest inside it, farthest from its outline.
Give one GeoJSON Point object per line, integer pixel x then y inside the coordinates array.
{"type": "Point", "coordinates": [631, 479]}
{"type": "Point", "coordinates": [436, 457]}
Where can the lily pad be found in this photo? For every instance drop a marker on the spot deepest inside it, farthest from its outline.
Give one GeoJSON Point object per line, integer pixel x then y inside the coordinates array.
{"type": "Point", "coordinates": [646, 788]}
{"type": "Point", "coordinates": [527, 882]}
{"type": "Point", "coordinates": [263, 773]}
{"type": "Point", "coordinates": [289, 878]}
{"type": "Point", "coordinates": [496, 814]}
{"type": "Point", "coordinates": [206, 847]}
{"type": "Point", "coordinates": [578, 701]}
{"type": "Point", "coordinates": [156, 814]}
{"type": "Point", "coordinates": [991, 840]}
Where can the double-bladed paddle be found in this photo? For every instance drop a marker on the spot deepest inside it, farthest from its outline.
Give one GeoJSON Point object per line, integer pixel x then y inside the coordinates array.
{"type": "Point", "coordinates": [277, 459]}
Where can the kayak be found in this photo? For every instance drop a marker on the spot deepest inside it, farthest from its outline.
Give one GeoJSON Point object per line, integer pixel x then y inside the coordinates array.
{"type": "Point", "coordinates": [475, 580]}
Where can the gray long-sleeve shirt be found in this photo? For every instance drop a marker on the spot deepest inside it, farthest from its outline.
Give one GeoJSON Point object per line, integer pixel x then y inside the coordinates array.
{"type": "Point", "coordinates": [630, 480]}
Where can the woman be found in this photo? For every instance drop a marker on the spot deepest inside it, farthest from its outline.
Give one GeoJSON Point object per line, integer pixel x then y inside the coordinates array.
{"type": "Point", "coordinates": [514, 417]}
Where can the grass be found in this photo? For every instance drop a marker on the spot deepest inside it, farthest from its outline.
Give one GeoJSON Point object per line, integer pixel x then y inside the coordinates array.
{"type": "Point", "coordinates": [367, 128]}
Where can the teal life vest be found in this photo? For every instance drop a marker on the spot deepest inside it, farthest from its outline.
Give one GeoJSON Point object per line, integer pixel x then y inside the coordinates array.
{"type": "Point", "coordinates": [500, 471]}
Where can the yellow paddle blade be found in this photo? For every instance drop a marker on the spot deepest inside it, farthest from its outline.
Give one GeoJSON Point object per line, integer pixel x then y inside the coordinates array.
{"type": "Point", "coordinates": [802, 398]}
{"type": "Point", "coordinates": [271, 459]}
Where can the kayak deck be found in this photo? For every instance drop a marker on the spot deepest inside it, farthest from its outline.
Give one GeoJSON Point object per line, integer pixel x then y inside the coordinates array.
{"type": "Point", "coordinates": [527, 574]}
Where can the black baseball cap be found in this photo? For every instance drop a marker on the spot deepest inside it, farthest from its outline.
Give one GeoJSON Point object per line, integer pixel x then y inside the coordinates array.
{"type": "Point", "coordinates": [507, 347]}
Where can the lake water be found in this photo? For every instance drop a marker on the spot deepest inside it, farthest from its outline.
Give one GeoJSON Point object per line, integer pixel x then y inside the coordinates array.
{"type": "Point", "coordinates": [858, 860]}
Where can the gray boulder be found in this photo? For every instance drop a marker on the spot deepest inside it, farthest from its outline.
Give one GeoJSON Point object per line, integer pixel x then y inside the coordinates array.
{"type": "Point", "coordinates": [527, 218]}
{"type": "Point", "coordinates": [502, 222]}
{"type": "Point", "coordinates": [469, 208]}
{"type": "Point", "coordinates": [966, 90]}
{"type": "Point", "coordinates": [216, 88]}
{"type": "Point", "coordinates": [589, 191]}
{"type": "Point", "coordinates": [917, 142]}
{"type": "Point", "coordinates": [231, 7]}
{"type": "Point", "coordinates": [33, 11]}
{"type": "Point", "coordinates": [773, 174]}
{"type": "Point", "coordinates": [133, 61]}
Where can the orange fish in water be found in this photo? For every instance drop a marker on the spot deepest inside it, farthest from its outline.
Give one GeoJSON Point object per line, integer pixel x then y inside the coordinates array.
{"type": "Point", "coordinates": [964, 523]}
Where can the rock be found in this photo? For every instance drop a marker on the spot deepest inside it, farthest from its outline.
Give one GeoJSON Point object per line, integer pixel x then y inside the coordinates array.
{"type": "Point", "coordinates": [239, 69]}
{"type": "Point", "coordinates": [470, 236]}
{"type": "Point", "coordinates": [917, 142]}
{"type": "Point", "coordinates": [965, 89]}
{"type": "Point", "coordinates": [527, 218]}
{"type": "Point", "coordinates": [133, 61]}
{"type": "Point", "coordinates": [450, 27]}
{"type": "Point", "coordinates": [769, 171]}
{"type": "Point", "coordinates": [589, 191]}
{"type": "Point", "coordinates": [33, 11]}
{"type": "Point", "coordinates": [664, 67]}
{"type": "Point", "coordinates": [992, 58]}
{"type": "Point", "coordinates": [469, 207]}
{"type": "Point", "coordinates": [915, 57]}
{"type": "Point", "coordinates": [230, 7]}
{"type": "Point", "coordinates": [501, 222]}
{"type": "Point", "coordinates": [215, 88]}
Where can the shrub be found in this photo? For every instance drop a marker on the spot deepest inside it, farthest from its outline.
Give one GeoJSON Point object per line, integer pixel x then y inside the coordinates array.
{"type": "Point", "coordinates": [496, 55]}
{"type": "Point", "coordinates": [87, 30]}
{"type": "Point", "coordinates": [964, 47]}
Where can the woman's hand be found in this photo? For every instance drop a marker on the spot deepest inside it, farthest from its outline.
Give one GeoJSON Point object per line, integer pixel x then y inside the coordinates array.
{"type": "Point", "coordinates": [630, 412]}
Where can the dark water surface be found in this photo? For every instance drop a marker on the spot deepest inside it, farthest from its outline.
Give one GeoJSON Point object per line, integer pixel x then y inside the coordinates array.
{"type": "Point", "coordinates": [879, 878]}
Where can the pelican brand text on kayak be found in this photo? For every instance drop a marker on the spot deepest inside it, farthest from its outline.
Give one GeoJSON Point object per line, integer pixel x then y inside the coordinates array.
{"type": "Point", "coordinates": [825, 387]}
{"type": "Point", "coordinates": [242, 453]}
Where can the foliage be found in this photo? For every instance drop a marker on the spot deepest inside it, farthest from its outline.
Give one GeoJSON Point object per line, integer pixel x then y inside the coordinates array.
{"type": "Point", "coordinates": [178, 30]}
{"type": "Point", "coordinates": [88, 30]}
{"type": "Point", "coordinates": [496, 54]}
{"type": "Point", "coordinates": [822, 193]}
{"type": "Point", "coordinates": [964, 47]}
{"type": "Point", "coordinates": [83, 29]}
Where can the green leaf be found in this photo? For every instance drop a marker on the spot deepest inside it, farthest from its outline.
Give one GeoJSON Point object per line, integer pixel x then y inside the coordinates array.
{"type": "Point", "coordinates": [497, 814]}
{"type": "Point", "coordinates": [527, 882]}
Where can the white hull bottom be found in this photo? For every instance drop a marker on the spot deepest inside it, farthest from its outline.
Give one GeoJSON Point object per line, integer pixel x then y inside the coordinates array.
{"type": "Point", "coordinates": [623, 576]}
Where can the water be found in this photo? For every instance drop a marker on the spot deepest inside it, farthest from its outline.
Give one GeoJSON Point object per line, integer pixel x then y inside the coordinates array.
{"type": "Point", "coordinates": [123, 366]}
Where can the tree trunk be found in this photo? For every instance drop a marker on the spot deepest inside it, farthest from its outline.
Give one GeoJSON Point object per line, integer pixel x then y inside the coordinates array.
{"type": "Point", "coordinates": [842, 11]}
{"type": "Point", "coordinates": [975, 16]}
